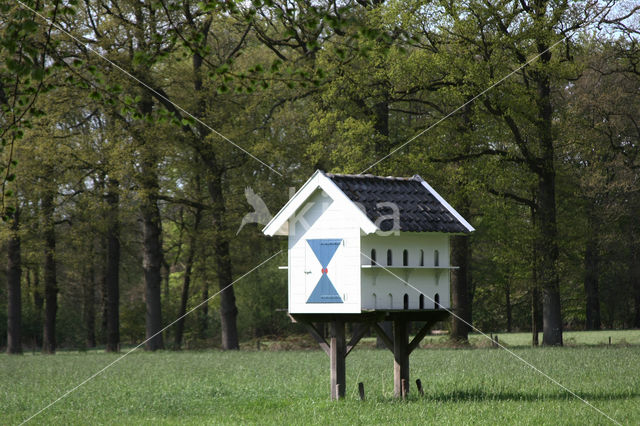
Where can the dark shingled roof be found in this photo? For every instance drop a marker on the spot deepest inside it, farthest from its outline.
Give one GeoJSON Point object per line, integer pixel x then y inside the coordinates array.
{"type": "Point", "coordinates": [420, 210]}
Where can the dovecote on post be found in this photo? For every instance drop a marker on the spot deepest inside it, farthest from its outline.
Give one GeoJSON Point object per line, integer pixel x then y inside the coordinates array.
{"type": "Point", "coordinates": [367, 249]}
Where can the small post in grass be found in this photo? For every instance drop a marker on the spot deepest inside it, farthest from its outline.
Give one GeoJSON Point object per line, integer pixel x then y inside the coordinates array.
{"type": "Point", "coordinates": [361, 390]}
{"type": "Point", "coordinates": [609, 340]}
{"type": "Point", "coordinates": [495, 341]}
{"type": "Point", "coordinates": [419, 386]}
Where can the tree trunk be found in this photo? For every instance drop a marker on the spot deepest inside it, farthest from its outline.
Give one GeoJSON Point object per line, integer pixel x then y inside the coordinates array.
{"type": "Point", "coordinates": [89, 307]}
{"type": "Point", "coordinates": [14, 293]}
{"type": "Point", "coordinates": [151, 263]}
{"type": "Point", "coordinates": [38, 303]}
{"type": "Point", "coordinates": [548, 257]}
{"type": "Point", "coordinates": [535, 289]}
{"type": "Point", "coordinates": [203, 316]}
{"type": "Point", "coordinates": [104, 293]}
{"type": "Point", "coordinates": [460, 289]}
{"type": "Point", "coordinates": [228, 309]}
{"type": "Point", "coordinates": [636, 308]}
{"type": "Point", "coordinates": [187, 279]}
{"type": "Point", "coordinates": [546, 232]}
{"type": "Point", "coordinates": [50, 279]}
{"type": "Point", "coordinates": [508, 307]}
{"type": "Point", "coordinates": [535, 314]}
{"type": "Point", "coordinates": [165, 273]}
{"type": "Point", "coordinates": [635, 283]}
{"type": "Point", "coordinates": [151, 234]}
{"type": "Point", "coordinates": [591, 261]}
{"type": "Point", "coordinates": [112, 275]}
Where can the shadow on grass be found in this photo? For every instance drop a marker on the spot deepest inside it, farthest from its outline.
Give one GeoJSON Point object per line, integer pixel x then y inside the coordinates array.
{"type": "Point", "coordinates": [482, 395]}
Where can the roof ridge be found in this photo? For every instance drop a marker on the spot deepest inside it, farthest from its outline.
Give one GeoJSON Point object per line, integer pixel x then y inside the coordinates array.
{"type": "Point", "coordinates": [370, 176]}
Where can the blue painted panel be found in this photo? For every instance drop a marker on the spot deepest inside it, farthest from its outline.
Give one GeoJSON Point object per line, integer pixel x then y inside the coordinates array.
{"type": "Point", "coordinates": [324, 249]}
{"type": "Point", "coordinates": [324, 292]}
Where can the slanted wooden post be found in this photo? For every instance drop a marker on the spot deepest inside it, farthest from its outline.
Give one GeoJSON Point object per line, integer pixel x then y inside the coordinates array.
{"type": "Point", "coordinates": [401, 357]}
{"type": "Point", "coordinates": [337, 353]}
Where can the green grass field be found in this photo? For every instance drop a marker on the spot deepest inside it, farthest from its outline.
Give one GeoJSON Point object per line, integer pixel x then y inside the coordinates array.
{"type": "Point", "coordinates": [571, 338]}
{"type": "Point", "coordinates": [462, 386]}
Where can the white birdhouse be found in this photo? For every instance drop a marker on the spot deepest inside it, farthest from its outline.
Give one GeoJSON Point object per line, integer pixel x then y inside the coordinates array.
{"type": "Point", "coordinates": [361, 243]}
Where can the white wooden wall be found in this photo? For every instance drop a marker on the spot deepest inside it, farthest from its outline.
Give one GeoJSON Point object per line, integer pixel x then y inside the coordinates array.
{"type": "Point", "coordinates": [323, 218]}
{"type": "Point", "coordinates": [382, 290]}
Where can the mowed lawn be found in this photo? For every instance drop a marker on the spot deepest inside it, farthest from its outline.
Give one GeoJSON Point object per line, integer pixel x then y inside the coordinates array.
{"type": "Point", "coordinates": [462, 386]}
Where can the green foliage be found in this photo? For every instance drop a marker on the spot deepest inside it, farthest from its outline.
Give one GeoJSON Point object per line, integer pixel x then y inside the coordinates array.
{"type": "Point", "coordinates": [23, 71]}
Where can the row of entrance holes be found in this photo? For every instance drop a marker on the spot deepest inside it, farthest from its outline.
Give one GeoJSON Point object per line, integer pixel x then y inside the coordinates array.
{"type": "Point", "coordinates": [405, 257]}
{"type": "Point", "coordinates": [436, 301]}
{"type": "Point", "coordinates": [405, 262]}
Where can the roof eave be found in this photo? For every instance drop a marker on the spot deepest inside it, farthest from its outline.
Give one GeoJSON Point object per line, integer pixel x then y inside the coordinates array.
{"type": "Point", "coordinates": [448, 206]}
{"type": "Point", "coordinates": [278, 225]}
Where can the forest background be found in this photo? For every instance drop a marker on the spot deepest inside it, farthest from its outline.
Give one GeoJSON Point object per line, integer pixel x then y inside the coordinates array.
{"type": "Point", "coordinates": [122, 200]}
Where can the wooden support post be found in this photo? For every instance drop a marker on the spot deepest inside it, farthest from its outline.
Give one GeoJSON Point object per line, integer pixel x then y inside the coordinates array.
{"type": "Point", "coordinates": [317, 337]}
{"type": "Point", "coordinates": [401, 356]}
{"type": "Point", "coordinates": [361, 390]}
{"type": "Point", "coordinates": [383, 336]}
{"type": "Point", "coordinates": [419, 386]}
{"type": "Point", "coordinates": [358, 333]}
{"type": "Point", "coordinates": [415, 343]}
{"type": "Point", "coordinates": [337, 353]}
{"type": "Point", "coordinates": [405, 388]}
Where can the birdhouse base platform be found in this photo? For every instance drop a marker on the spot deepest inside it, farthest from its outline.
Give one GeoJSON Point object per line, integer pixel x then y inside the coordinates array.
{"type": "Point", "coordinates": [337, 348]}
